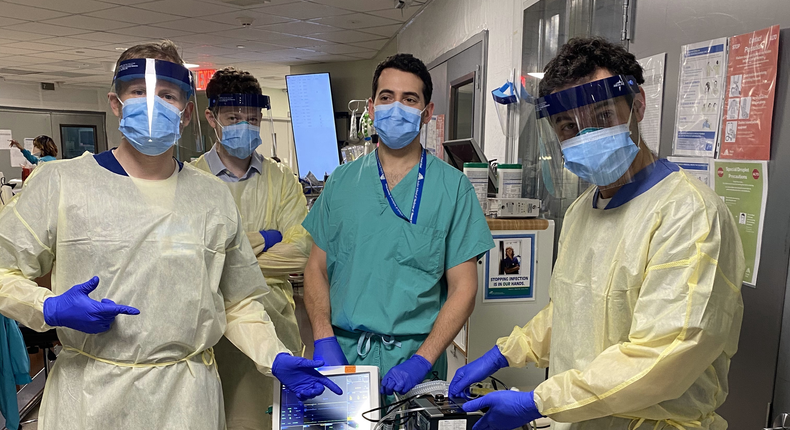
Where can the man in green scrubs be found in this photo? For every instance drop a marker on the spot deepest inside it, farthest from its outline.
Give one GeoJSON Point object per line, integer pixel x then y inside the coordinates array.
{"type": "Point", "coordinates": [392, 276]}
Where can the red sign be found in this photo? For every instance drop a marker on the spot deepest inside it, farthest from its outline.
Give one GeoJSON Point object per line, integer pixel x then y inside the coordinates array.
{"type": "Point", "coordinates": [720, 172]}
{"type": "Point", "coordinates": [749, 95]}
{"type": "Point", "coordinates": [756, 174]}
{"type": "Point", "coordinates": [202, 77]}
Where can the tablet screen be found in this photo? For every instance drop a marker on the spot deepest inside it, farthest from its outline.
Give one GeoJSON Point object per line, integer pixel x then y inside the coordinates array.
{"type": "Point", "coordinates": [329, 411]}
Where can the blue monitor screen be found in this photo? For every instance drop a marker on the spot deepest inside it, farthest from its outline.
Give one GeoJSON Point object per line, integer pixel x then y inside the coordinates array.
{"type": "Point", "coordinates": [313, 122]}
{"type": "Point", "coordinates": [329, 411]}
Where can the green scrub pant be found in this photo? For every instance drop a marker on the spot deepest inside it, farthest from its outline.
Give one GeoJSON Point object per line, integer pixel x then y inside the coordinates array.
{"type": "Point", "coordinates": [385, 357]}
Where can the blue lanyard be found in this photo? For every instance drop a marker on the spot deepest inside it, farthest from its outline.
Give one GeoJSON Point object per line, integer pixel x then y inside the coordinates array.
{"type": "Point", "coordinates": [415, 206]}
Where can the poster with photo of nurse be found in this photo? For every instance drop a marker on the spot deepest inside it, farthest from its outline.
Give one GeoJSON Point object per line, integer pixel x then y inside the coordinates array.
{"type": "Point", "coordinates": [510, 268]}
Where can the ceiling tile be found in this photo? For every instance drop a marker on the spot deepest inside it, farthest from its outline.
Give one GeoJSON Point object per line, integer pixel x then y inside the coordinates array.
{"type": "Point", "coordinates": [250, 46]}
{"type": "Point", "coordinates": [23, 60]}
{"type": "Point", "coordinates": [67, 6]}
{"type": "Point", "coordinates": [207, 50]}
{"type": "Point", "coordinates": [27, 13]}
{"type": "Point", "coordinates": [56, 56]}
{"type": "Point", "coordinates": [21, 35]}
{"type": "Point", "coordinates": [259, 19]}
{"type": "Point", "coordinates": [8, 50]}
{"type": "Point", "coordinates": [9, 21]}
{"type": "Point", "coordinates": [343, 49]}
{"type": "Point", "coordinates": [114, 38]}
{"type": "Point", "coordinates": [355, 21]}
{"type": "Point", "coordinates": [151, 33]}
{"type": "Point", "coordinates": [374, 44]}
{"type": "Point", "coordinates": [125, 2]}
{"type": "Point", "coordinates": [300, 42]}
{"type": "Point", "coordinates": [301, 28]}
{"type": "Point", "coordinates": [357, 5]}
{"type": "Point", "coordinates": [385, 31]}
{"type": "Point", "coordinates": [195, 25]}
{"type": "Point", "coordinates": [400, 15]}
{"type": "Point", "coordinates": [363, 56]}
{"type": "Point", "coordinates": [245, 34]}
{"type": "Point", "coordinates": [187, 8]}
{"type": "Point", "coordinates": [347, 36]}
{"type": "Point", "coordinates": [7, 41]}
{"type": "Point", "coordinates": [45, 30]}
{"type": "Point", "coordinates": [34, 47]}
{"type": "Point", "coordinates": [303, 10]}
{"type": "Point", "coordinates": [86, 23]}
{"type": "Point", "coordinates": [203, 39]}
{"type": "Point", "coordinates": [131, 14]}
{"type": "Point", "coordinates": [72, 42]}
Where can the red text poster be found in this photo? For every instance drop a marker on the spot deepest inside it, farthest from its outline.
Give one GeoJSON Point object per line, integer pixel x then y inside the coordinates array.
{"type": "Point", "coordinates": [749, 95]}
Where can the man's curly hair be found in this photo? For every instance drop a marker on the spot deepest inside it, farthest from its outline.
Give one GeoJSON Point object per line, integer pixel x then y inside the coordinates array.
{"type": "Point", "coordinates": [232, 81]}
{"type": "Point", "coordinates": [581, 57]}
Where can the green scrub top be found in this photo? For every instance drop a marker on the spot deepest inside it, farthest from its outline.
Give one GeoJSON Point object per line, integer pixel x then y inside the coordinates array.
{"type": "Point", "coordinates": [386, 275]}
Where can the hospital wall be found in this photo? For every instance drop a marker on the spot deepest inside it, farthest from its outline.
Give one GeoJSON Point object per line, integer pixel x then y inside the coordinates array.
{"type": "Point", "coordinates": [663, 26]}
{"type": "Point", "coordinates": [350, 80]}
{"type": "Point", "coordinates": [445, 24]}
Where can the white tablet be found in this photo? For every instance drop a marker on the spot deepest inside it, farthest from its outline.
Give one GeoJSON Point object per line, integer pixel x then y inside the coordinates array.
{"type": "Point", "coordinates": [329, 411]}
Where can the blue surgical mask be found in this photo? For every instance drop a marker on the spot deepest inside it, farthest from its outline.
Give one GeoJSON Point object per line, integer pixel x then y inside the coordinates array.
{"type": "Point", "coordinates": [397, 125]}
{"type": "Point", "coordinates": [241, 139]}
{"type": "Point", "coordinates": [600, 156]}
{"type": "Point", "coordinates": [165, 127]}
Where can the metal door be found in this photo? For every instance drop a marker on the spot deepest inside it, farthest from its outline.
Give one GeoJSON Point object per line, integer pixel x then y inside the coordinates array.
{"type": "Point", "coordinates": [459, 88]}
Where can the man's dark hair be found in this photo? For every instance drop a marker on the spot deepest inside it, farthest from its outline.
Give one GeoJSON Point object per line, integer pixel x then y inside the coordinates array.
{"type": "Point", "coordinates": [232, 81]}
{"type": "Point", "coordinates": [405, 63]}
{"type": "Point", "coordinates": [581, 57]}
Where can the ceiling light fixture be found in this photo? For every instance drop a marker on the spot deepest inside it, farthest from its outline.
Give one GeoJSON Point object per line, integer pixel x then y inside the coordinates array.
{"type": "Point", "coordinates": [536, 75]}
{"type": "Point", "coordinates": [240, 46]}
{"type": "Point", "coordinates": [191, 66]}
{"type": "Point", "coordinates": [120, 49]}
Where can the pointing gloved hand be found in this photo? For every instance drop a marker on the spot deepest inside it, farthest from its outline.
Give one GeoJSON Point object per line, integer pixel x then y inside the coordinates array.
{"type": "Point", "coordinates": [328, 350]}
{"type": "Point", "coordinates": [476, 371]}
{"type": "Point", "coordinates": [76, 310]}
{"type": "Point", "coordinates": [507, 410]}
{"type": "Point", "coordinates": [271, 238]}
{"type": "Point", "coordinates": [403, 377]}
{"type": "Point", "coordinates": [300, 377]}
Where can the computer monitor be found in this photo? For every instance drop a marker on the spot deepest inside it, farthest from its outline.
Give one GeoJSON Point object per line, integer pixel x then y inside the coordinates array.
{"type": "Point", "coordinates": [313, 123]}
{"type": "Point", "coordinates": [329, 411]}
{"type": "Point", "coordinates": [462, 151]}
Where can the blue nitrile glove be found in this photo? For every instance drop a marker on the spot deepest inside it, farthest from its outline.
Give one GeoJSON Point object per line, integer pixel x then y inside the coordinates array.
{"type": "Point", "coordinates": [271, 238]}
{"type": "Point", "coordinates": [476, 371]}
{"type": "Point", "coordinates": [507, 410]}
{"type": "Point", "coordinates": [76, 310]}
{"type": "Point", "coordinates": [300, 377]}
{"type": "Point", "coordinates": [403, 377]}
{"type": "Point", "coordinates": [328, 350]}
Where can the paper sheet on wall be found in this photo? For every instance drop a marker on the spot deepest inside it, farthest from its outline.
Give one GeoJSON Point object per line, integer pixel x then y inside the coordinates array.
{"type": "Point", "coordinates": [650, 127]}
{"type": "Point", "coordinates": [749, 99]}
{"type": "Point", "coordinates": [700, 96]}
{"type": "Point", "coordinates": [695, 166]}
{"type": "Point", "coordinates": [743, 186]}
{"type": "Point", "coordinates": [19, 160]}
{"type": "Point", "coordinates": [5, 139]}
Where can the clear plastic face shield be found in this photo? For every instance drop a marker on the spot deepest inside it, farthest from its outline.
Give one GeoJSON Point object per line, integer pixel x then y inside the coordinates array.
{"type": "Point", "coordinates": [237, 122]}
{"type": "Point", "coordinates": [591, 130]}
{"type": "Point", "coordinates": [155, 101]}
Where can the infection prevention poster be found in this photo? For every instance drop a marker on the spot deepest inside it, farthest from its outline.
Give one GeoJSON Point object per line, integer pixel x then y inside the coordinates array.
{"type": "Point", "coordinates": [650, 127]}
{"type": "Point", "coordinates": [696, 167]}
{"type": "Point", "coordinates": [511, 268]}
{"type": "Point", "coordinates": [743, 185]}
{"type": "Point", "coordinates": [700, 95]}
{"type": "Point", "coordinates": [749, 99]}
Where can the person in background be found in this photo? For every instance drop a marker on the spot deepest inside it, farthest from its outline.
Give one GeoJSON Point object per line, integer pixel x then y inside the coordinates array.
{"type": "Point", "coordinates": [44, 149]}
{"type": "Point", "coordinates": [645, 297]}
{"type": "Point", "coordinates": [165, 239]}
{"type": "Point", "coordinates": [384, 286]}
{"type": "Point", "coordinates": [272, 206]}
